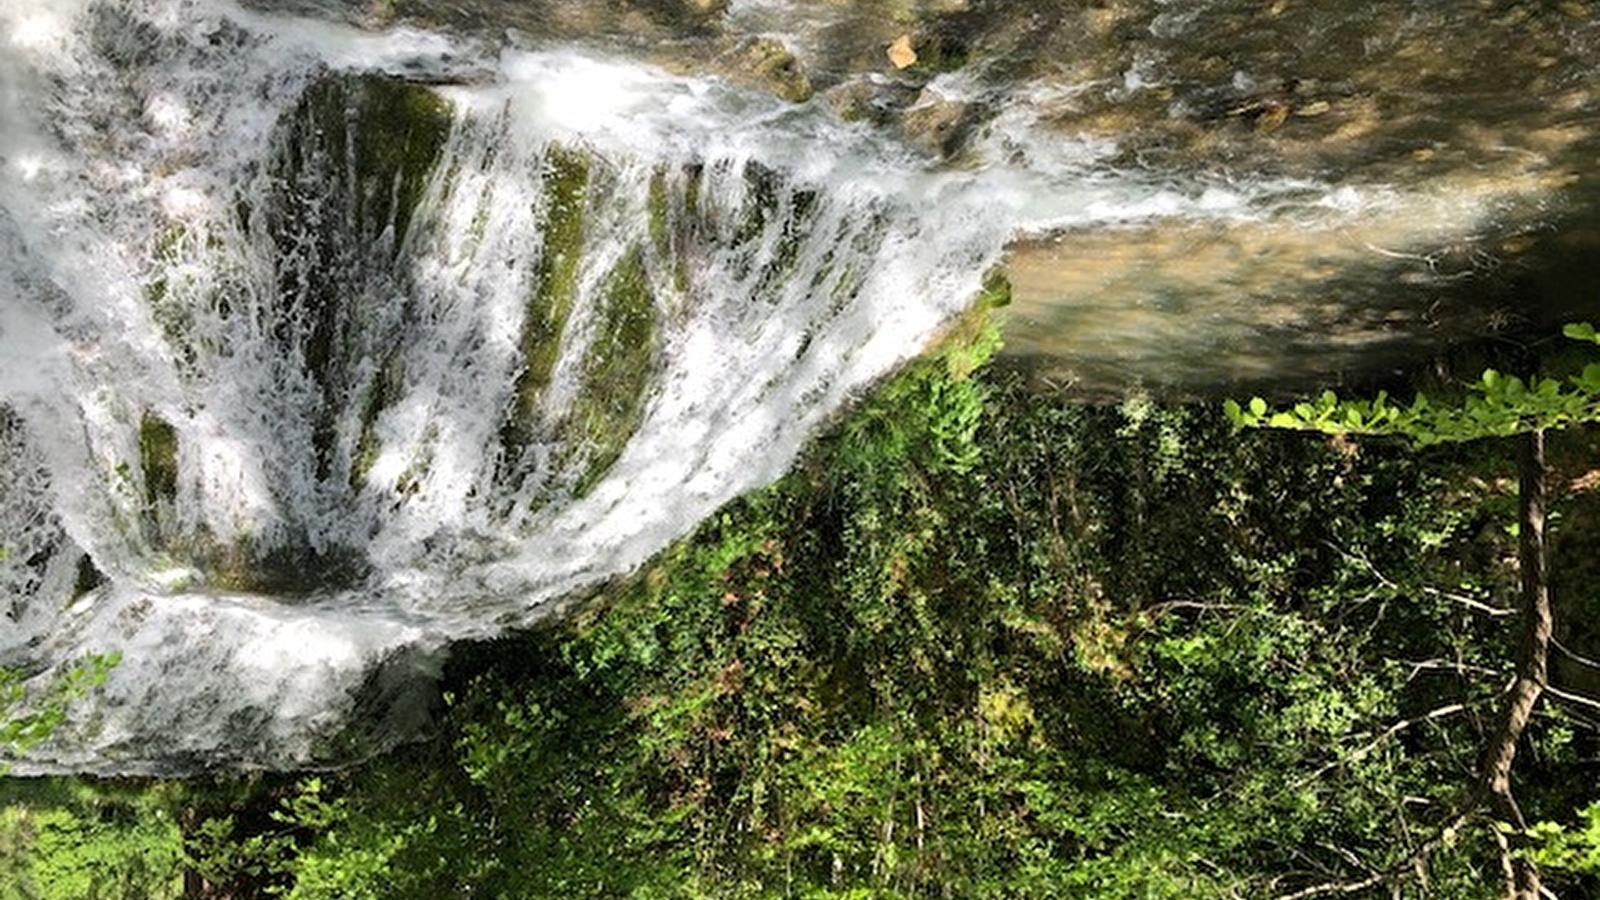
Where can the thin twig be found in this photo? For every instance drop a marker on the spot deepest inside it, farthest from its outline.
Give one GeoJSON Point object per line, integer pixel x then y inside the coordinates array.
{"type": "Point", "coordinates": [1391, 731]}
{"type": "Point", "coordinates": [1572, 698]}
{"type": "Point", "coordinates": [1201, 605]}
{"type": "Point", "coordinates": [1570, 654]}
{"type": "Point", "coordinates": [1409, 863]}
{"type": "Point", "coordinates": [1447, 666]}
{"type": "Point", "coordinates": [1463, 599]}
{"type": "Point", "coordinates": [1347, 887]}
{"type": "Point", "coordinates": [1470, 602]}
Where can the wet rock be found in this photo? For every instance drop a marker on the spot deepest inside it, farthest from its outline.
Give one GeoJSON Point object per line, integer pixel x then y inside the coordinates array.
{"type": "Point", "coordinates": [901, 54]}
{"type": "Point", "coordinates": [703, 7]}
{"type": "Point", "coordinates": [854, 101]}
{"type": "Point", "coordinates": [769, 63]}
{"type": "Point", "coordinates": [1202, 307]}
{"type": "Point", "coordinates": [936, 123]}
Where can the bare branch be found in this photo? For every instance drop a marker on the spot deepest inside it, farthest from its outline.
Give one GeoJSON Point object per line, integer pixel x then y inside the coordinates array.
{"type": "Point", "coordinates": [1344, 887]}
{"type": "Point", "coordinates": [1445, 835]}
{"type": "Point", "coordinates": [1446, 665]}
{"type": "Point", "coordinates": [1360, 753]}
{"type": "Point", "coordinates": [1578, 699]}
{"type": "Point", "coordinates": [1169, 605]}
{"type": "Point", "coordinates": [1575, 657]}
{"type": "Point", "coordinates": [1470, 602]}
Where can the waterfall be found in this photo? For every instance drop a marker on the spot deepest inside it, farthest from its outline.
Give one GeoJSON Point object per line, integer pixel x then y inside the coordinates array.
{"type": "Point", "coordinates": [311, 368]}
{"type": "Point", "coordinates": [323, 347]}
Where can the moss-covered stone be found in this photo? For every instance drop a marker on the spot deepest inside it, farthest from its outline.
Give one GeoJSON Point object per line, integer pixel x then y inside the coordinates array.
{"type": "Point", "coordinates": [660, 210]}
{"type": "Point", "coordinates": [669, 221]}
{"type": "Point", "coordinates": [772, 202]}
{"type": "Point", "coordinates": [617, 370]}
{"type": "Point", "coordinates": [390, 131]}
{"type": "Point", "coordinates": [169, 309]}
{"type": "Point", "coordinates": [355, 159]}
{"type": "Point", "coordinates": [556, 289]}
{"type": "Point", "coordinates": [769, 63]}
{"type": "Point", "coordinates": [158, 459]}
{"type": "Point", "coordinates": [241, 563]}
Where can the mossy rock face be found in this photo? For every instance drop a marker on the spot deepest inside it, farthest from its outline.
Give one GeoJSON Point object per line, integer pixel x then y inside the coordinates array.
{"type": "Point", "coordinates": [348, 169]}
{"type": "Point", "coordinates": [772, 201]}
{"type": "Point", "coordinates": [370, 142]}
{"type": "Point", "coordinates": [554, 293]}
{"type": "Point", "coordinates": [379, 395]}
{"type": "Point", "coordinates": [287, 569]}
{"type": "Point", "coordinates": [620, 359]}
{"type": "Point", "coordinates": [355, 158]}
{"type": "Point", "coordinates": [158, 459]}
{"type": "Point", "coordinates": [769, 63]}
{"type": "Point", "coordinates": [167, 307]}
{"type": "Point", "coordinates": [617, 370]}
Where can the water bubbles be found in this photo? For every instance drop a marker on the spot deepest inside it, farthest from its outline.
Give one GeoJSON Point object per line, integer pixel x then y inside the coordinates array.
{"type": "Point", "coordinates": [169, 114]}
{"type": "Point", "coordinates": [39, 30]}
{"type": "Point", "coordinates": [28, 166]}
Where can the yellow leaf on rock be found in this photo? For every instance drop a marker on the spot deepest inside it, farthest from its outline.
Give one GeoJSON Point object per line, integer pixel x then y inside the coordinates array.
{"type": "Point", "coordinates": [900, 52]}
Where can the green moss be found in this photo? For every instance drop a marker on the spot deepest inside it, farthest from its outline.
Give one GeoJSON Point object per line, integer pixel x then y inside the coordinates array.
{"type": "Point", "coordinates": [241, 563]}
{"type": "Point", "coordinates": [356, 157]}
{"type": "Point", "coordinates": [617, 370]}
{"type": "Point", "coordinates": [942, 47]}
{"type": "Point", "coordinates": [770, 62]}
{"type": "Point", "coordinates": [660, 213]}
{"type": "Point", "coordinates": [399, 131]}
{"type": "Point", "coordinates": [769, 196]}
{"type": "Point", "coordinates": [996, 292]}
{"type": "Point", "coordinates": [566, 187]}
{"type": "Point", "coordinates": [404, 127]}
{"type": "Point", "coordinates": [664, 231]}
{"type": "Point", "coordinates": [692, 176]}
{"type": "Point", "coordinates": [158, 459]}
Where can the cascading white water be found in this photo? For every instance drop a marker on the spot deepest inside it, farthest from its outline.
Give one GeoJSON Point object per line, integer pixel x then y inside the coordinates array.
{"type": "Point", "coordinates": [277, 431]}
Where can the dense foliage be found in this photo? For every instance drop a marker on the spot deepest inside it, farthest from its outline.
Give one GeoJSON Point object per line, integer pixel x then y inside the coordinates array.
{"type": "Point", "coordinates": [980, 643]}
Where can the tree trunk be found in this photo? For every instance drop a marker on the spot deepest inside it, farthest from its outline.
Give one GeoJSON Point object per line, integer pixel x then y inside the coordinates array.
{"type": "Point", "coordinates": [1532, 665]}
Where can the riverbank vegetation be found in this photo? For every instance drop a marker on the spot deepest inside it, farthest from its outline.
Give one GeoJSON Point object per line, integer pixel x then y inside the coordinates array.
{"type": "Point", "coordinates": [983, 641]}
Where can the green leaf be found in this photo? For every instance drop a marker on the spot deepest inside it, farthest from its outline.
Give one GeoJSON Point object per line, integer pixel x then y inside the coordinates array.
{"type": "Point", "coordinates": [1581, 331]}
{"type": "Point", "coordinates": [1590, 379]}
{"type": "Point", "coordinates": [1258, 407]}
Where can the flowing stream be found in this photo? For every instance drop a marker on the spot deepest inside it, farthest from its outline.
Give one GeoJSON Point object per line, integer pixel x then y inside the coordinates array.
{"type": "Point", "coordinates": [322, 346]}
